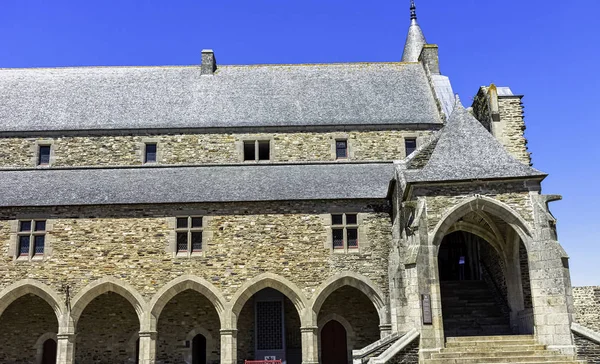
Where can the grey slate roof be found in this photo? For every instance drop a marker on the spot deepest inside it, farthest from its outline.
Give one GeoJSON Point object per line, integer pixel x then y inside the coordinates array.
{"type": "Point", "coordinates": [98, 98]}
{"type": "Point", "coordinates": [467, 151]}
{"type": "Point", "coordinates": [141, 185]}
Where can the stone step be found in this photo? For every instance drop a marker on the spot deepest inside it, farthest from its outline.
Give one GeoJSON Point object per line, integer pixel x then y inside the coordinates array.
{"type": "Point", "coordinates": [494, 354]}
{"type": "Point", "coordinates": [500, 348]}
{"type": "Point", "coordinates": [492, 338]}
{"type": "Point", "coordinates": [515, 359]}
{"type": "Point", "coordinates": [489, 343]}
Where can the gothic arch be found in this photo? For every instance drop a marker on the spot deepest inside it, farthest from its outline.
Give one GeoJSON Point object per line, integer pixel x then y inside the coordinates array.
{"type": "Point", "coordinates": [104, 285]}
{"type": "Point", "coordinates": [354, 280]}
{"type": "Point", "coordinates": [481, 203]}
{"type": "Point", "coordinates": [30, 286]}
{"type": "Point", "coordinates": [183, 283]}
{"type": "Point", "coordinates": [39, 345]}
{"type": "Point", "coordinates": [350, 335]}
{"type": "Point", "coordinates": [267, 280]}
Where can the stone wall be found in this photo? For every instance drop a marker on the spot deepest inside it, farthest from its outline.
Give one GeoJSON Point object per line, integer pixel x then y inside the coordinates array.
{"type": "Point", "coordinates": [127, 150]}
{"type": "Point", "coordinates": [493, 274]}
{"type": "Point", "coordinates": [408, 355]}
{"type": "Point", "coordinates": [525, 281]}
{"type": "Point", "coordinates": [587, 349]}
{"type": "Point", "coordinates": [442, 198]}
{"type": "Point", "coordinates": [357, 310]}
{"type": "Point", "coordinates": [186, 315]}
{"type": "Point", "coordinates": [242, 240]}
{"type": "Point", "coordinates": [21, 325]}
{"type": "Point", "coordinates": [586, 301]}
{"type": "Point", "coordinates": [107, 331]}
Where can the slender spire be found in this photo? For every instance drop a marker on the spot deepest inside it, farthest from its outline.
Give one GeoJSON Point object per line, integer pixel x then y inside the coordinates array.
{"type": "Point", "coordinates": [415, 39]}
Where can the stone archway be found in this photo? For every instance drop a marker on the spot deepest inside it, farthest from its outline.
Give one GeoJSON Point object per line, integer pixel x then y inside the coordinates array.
{"type": "Point", "coordinates": [480, 254]}
{"type": "Point", "coordinates": [268, 313]}
{"type": "Point", "coordinates": [30, 314]}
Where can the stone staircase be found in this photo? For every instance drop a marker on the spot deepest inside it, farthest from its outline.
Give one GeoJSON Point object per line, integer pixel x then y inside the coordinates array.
{"type": "Point", "coordinates": [469, 309]}
{"type": "Point", "coordinates": [497, 349]}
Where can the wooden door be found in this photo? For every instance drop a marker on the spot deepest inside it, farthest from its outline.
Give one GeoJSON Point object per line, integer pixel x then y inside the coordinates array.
{"type": "Point", "coordinates": [49, 354]}
{"type": "Point", "coordinates": [334, 345]}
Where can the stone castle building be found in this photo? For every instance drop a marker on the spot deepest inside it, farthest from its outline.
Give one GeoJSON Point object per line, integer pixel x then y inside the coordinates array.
{"type": "Point", "coordinates": [325, 213]}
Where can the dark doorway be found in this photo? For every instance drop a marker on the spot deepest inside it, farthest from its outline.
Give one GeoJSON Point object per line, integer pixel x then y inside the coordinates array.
{"type": "Point", "coordinates": [137, 351]}
{"type": "Point", "coordinates": [459, 258]}
{"type": "Point", "coordinates": [334, 346]}
{"type": "Point", "coordinates": [49, 354]}
{"type": "Point", "coordinates": [199, 349]}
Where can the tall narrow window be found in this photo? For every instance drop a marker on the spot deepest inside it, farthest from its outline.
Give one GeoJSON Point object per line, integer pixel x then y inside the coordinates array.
{"type": "Point", "coordinates": [31, 238]}
{"type": "Point", "coordinates": [43, 155]}
{"type": "Point", "coordinates": [257, 150]}
{"type": "Point", "coordinates": [344, 231]}
{"type": "Point", "coordinates": [150, 153]}
{"type": "Point", "coordinates": [410, 145]}
{"type": "Point", "coordinates": [341, 149]}
{"type": "Point", "coordinates": [189, 234]}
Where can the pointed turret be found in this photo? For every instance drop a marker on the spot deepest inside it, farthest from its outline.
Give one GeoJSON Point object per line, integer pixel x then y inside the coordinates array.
{"type": "Point", "coordinates": [415, 39]}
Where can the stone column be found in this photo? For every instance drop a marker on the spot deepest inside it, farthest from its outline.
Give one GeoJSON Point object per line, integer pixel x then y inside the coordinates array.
{"type": "Point", "coordinates": [228, 346]}
{"type": "Point", "coordinates": [147, 352]}
{"type": "Point", "coordinates": [65, 348]}
{"type": "Point", "coordinates": [310, 344]}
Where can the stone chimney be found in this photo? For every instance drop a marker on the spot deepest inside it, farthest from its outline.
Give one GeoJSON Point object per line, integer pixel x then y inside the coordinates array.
{"type": "Point", "coordinates": [209, 63]}
{"type": "Point", "coordinates": [501, 112]}
{"type": "Point", "coordinates": [429, 57]}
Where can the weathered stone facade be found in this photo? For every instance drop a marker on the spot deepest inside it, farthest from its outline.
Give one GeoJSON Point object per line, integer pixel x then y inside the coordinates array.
{"type": "Point", "coordinates": [215, 148]}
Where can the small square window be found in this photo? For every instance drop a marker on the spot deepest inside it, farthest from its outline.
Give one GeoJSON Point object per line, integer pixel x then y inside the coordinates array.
{"type": "Point", "coordinates": [337, 219]}
{"type": "Point", "coordinates": [410, 145]}
{"type": "Point", "coordinates": [249, 151]}
{"type": "Point", "coordinates": [44, 155]}
{"type": "Point", "coordinates": [40, 225]}
{"type": "Point", "coordinates": [264, 150]}
{"type": "Point", "coordinates": [182, 222]}
{"type": "Point", "coordinates": [351, 219]}
{"type": "Point", "coordinates": [25, 225]}
{"type": "Point", "coordinates": [341, 149]}
{"type": "Point", "coordinates": [196, 222]}
{"type": "Point", "coordinates": [150, 153]}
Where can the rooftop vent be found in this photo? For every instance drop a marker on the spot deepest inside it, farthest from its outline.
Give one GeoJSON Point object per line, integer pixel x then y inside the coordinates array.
{"type": "Point", "coordinates": [209, 63]}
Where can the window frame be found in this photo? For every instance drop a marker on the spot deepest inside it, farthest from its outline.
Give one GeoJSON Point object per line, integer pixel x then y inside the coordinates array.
{"type": "Point", "coordinates": [189, 230]}
{"type": "Point", "coordinates": [345, 226]}
{"type": "Point", "coordinates": [36, 148]}
{"type": "Point", "coordinates": [145, 154]}
{"type": "Point", "coordinates": [415, 139]}
{"type": "Point", "coordinates": [256, 142]}
{"type": "Point", "coordinates": [32, 233]}
{"type": "Point", "coordinates": [347, 152]}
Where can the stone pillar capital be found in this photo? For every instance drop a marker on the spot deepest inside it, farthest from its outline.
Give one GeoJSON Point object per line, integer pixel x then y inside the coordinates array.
{"type": "Point", "coordinates": [65, 336]}
{"type": "Point", "coordinates": [230, 332]}
{"type": "Point", "coordinates": [309, 329]}
{"type": "Point", "coordinates": [151, 334]}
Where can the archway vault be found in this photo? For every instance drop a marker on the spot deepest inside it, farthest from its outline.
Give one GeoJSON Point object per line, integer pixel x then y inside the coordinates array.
{"type": "Point", "coordinates": [31, 286]}
{"type": "Point", "coordinates": [105, 285]}
{"type": "Point", "coordinates": [354, 280]}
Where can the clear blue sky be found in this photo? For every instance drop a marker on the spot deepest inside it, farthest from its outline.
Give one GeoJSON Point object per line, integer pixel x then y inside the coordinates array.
{"type": "Point", "coordinates": [547, 50]}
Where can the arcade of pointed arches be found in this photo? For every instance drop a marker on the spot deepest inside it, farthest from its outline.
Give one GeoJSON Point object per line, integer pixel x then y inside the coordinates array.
{"type": "Point", "coordinates": [148, 313]}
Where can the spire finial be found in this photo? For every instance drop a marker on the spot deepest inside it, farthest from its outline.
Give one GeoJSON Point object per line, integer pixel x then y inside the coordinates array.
{"type": "Point", "coordinates": [413, 10]}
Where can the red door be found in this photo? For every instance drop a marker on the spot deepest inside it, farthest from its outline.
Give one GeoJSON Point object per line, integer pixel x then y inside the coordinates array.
{"type": "Point", "coordinates": [334, 347]}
